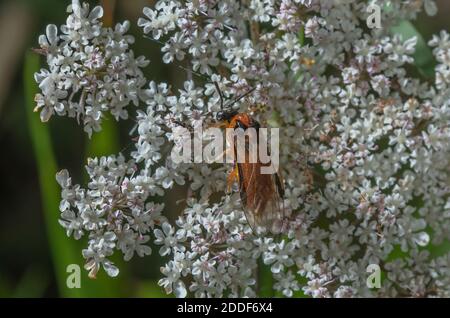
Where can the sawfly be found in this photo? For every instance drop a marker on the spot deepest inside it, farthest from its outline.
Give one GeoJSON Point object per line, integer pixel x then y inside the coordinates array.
{"type": "Point", "coordinates": [261, 194]}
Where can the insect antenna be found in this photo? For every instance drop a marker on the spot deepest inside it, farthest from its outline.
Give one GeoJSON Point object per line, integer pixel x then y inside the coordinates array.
{"type": "Point", "coordinates": [230, 28]}
{"type": "Point", "coordinates": [190, 71]}
{"type": "Point", "coordinates": [219, 91]}
{"type": "Point", "coordinates": [240, 97]}
{"type": "Point", "coordinates": [220, 94]}
{"type": "Point", "coordinates": [154, 40]}
{"type": "Point", "coordinates": [222, 106]}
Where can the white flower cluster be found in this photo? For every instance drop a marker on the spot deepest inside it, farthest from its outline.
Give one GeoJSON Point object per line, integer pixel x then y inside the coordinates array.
{"type": "Point", "coordinates": [113, 211]}
{"type": "Point", "coordinates": [364, 153]}
{"type": "Point", "coordinates": [92, 69]}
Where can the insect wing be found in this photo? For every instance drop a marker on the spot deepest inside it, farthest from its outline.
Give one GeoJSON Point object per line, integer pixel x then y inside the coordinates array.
{"type": "Point", "coordinates": [262, 197]}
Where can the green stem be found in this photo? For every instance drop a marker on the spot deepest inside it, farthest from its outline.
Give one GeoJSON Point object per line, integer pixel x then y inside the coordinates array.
{"type": "Point", "coordinates": [63, 251]}
{"type": "Point", "coordinates": [265, 281]}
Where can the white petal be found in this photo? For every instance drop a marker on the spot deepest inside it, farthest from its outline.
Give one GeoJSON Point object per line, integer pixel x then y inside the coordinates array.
{"type": "Point", "coordinates": [43, 42]}
{"type": "Point", "coordinates": [167, 183]}
{"type": "Point", "coordinates": [158, 234]}
{"type": "Point", "coordinates": [276, 268]}
{"type": "Point", "coordinates": [144, 250]}
{"type": "Point", "coordinates": [110, 269]}
{"type": "Point", "coordinates": [75, 7]}
{"type": "Point", "coordinates": [166, 228]}
{"type": "Point", "coordinates": [46, 113]}
{"type": "Point", "coordinates": [180, 290]}
{"type": "Point", "coordinates": [422, 239]}
{"type": "Point", "coordinates": [128, 255]}
{"type": "Point", "coordinates": [96, 13]}
{"type": "Point", "coordinates": [163, 251]}
{"type": "Point", "coordinates": [52, 34]}
{"type": "Point", "coordinates": [63, 179]}
{"type": "Point", "coordinates": [430, 7]}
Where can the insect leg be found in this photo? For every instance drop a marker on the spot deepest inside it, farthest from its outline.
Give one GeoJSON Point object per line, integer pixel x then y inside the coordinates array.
{"type": "Point", "coordinates": [232, 177]}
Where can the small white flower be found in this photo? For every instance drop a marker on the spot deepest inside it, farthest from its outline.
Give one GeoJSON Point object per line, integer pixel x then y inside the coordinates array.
{"type": "Point", "coordinates": [286, 283]}
{"type": "Point", "coordinates": [167, 238]}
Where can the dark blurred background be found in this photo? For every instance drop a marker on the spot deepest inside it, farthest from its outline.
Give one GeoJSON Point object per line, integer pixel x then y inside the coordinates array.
{"type": "Point", "coordinates": [30, 264]}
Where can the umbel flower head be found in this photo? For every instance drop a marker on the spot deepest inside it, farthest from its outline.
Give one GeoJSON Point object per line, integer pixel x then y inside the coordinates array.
{"type": "Point", "coordinates": [364, 150]}
{"type": "Point", "coordinates": [91, 69]}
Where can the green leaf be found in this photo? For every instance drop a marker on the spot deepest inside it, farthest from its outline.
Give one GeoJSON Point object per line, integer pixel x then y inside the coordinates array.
{"type": "Point", "coordinates": [423, 57]}
{"type": "Point", "coordinates": [63, 251]}
{"type": "Point", "coordinates": [439, 250]}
